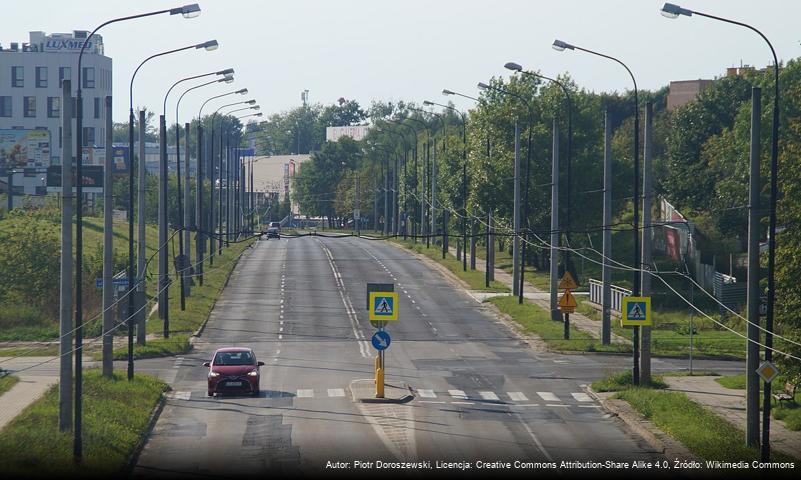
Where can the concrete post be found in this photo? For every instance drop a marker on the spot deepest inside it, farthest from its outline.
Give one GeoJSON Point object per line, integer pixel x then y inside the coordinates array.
{"type": "Point", "coordinates": [555, 314]}
{"type": "Point", "coordinates": [647, 235]}
{"type": "Point", "coordinates": [473, 233]}
{"type": "Point", "coordinates": [187, 217]}
{"type": "Point", "coordinates": [516, 216]}
{"type": "Point", "coordinates": [163, 263]}
{"type": "Point", "coordinates": [434, 189]}
{"type": "Point", "coordinates": [200, 224]}
{"type": "Point", "coordinates": [65, 310]}
{"type": "Point", "coordinates": [606, 272]}
{"type": "Point", "coordinates": [141, 314]}
{"type": "Point", "coordinates": [752, 348]}
{"type": "Point", "coordinates": [108, 252]}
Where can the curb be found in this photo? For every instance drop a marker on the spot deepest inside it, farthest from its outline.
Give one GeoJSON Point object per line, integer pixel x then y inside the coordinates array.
{"type": "Point", "coordinates": [154, 416]}
{"type": "Point", "coordinates": [660, 441]}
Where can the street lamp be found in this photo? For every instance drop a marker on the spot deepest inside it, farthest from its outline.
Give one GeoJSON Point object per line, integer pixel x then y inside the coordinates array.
{"type": "Point", "coordinates": [518, 68]}
{"type": "Point", "coordinates": [209, 45]}
{"type": "Point", "coordinates": [187, 11]}
{"type": "Point", "coordinates": [464, 177]}
{"type": "Point", "coordinates": [434, 180]}
{"type": "Point", "coordinates": [670, 10]}
{"type": "Point", "coordinates": [561, 46]}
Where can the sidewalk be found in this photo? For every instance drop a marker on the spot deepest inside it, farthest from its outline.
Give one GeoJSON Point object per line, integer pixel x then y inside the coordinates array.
{"type": "Point", "coordinates": [730, 404]}
{"type": "Point", "coordinates": [26, 391]}
{"type": "Point", "coordinates": [540, 298]}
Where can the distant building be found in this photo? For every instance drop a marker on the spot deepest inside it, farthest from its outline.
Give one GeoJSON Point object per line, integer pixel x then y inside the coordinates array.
{"type": "Point", "coordinates": [685, 91]}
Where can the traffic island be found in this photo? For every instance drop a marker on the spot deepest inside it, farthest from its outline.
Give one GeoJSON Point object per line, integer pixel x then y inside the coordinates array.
{"type": "Point", "coordinates": [363, 391]}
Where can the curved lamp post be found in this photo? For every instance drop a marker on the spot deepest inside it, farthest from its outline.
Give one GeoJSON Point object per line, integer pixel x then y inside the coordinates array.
{"type": "Point", "coordinates": [562, 46]}
{"type": "Point", "coordinates": [670, 10]}
{"type": "Point", "coordinates": [187, 11]}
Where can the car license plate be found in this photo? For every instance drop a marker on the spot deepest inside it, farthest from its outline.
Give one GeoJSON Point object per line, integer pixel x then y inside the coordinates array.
{"type": "Point", "coordinates": [235, 384]}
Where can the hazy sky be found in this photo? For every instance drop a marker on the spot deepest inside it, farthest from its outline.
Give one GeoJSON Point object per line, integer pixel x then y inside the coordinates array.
{"type": "Point", "coordinates": [411, 49]}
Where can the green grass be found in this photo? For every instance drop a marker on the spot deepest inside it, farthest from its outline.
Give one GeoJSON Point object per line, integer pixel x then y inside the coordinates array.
{"type": "Point", "coordinates": [696, 427]}
{"type": "Point", "coordinates": [537, 320]}
{"type": "Point", "coordinates": [32, 351]}
{"type": "Point", "coordinates": [159, 347]}
{"type": "Point", "coordinates": [623, 381]}
{"type": "Point", "coordinates": [116, 415]}
{"type": "Point", "coordinates": [696, 373]}
{"type": "Point", "coordinates": [6, 382]}
{"type": "Point", "coordinates": [473, 278]}
{"type": "Point", "coordinates": [788, 412]}
{"type": "Point", "coordinates": [538, 278]}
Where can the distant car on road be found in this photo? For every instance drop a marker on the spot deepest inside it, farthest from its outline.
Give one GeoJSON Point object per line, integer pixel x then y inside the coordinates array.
{"type": "Point", "coordinates": [233, 370]}
{"type": "Point", "coordinates": [273, 232]}
{"type": "Point", "coordinates": [275, 225]}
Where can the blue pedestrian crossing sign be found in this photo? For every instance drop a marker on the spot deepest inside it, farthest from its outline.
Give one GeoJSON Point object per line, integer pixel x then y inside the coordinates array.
{"type": "Point", "coordinates": [383, 306]}
{"type": "Point", "coordinates": [636, 312]}
{"type": "Point", "coordinates": [381, 340]}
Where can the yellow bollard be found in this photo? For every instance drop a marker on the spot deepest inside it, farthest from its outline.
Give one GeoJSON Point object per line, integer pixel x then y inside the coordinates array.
{"type": "Point", "coordinates": [379, 383]}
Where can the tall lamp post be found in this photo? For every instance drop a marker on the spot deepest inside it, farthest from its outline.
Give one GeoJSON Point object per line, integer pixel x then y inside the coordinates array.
{"type": "Point", "coordinates": [561, 46]}
{"type": "Point", "coordinates": [433, 180]}
{"type": "Point", "coordinates": [518, 68]}
{"type": "Point", "coordinates": [674, 11]}
{"type": "Point", "coordinates": [464, 177]}
{"type": "Point", "coordinates": [210, 45]}
{"type": "Point", "coordinates": [413, 131]}
{"type": "Point", "coordinates": [187, 11]}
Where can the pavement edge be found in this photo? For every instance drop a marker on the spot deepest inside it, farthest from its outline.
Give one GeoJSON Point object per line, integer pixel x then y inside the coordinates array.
{"type": "Point", "coordinates": [154, 417]}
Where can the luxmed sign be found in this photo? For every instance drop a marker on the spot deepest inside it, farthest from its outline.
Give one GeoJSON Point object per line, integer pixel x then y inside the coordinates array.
{"type": "Point", "coordinates": [356, 132]}
{"type": "Point", "coordinates": [67, 44]}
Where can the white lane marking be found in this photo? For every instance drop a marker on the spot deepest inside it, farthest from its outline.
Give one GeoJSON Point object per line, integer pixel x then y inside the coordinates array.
{"type": "Point", "coordinates": [462, 403]}
{"type": "Point", "coordinates": [457, 394]}
{"type": "Point", "coordinates": [427, 393]}
{"type": "Point", "coordinates": [582, 397]}
{"type": "Point", "coordinates": [336, 392]}
{"type": "Point", "coordinates": [489, 396]}
{"type": "Point", "coordinates": [589, 406]}
{"type": "Point", "coordinates": [181, 395]}
{"type": "Point", "coordinates": [548, 396]}
{"type": "Point", "coordinates": [281, 329]}
{"type": "Point", "coordinates": [526, 405]}
{"type": "Point", "coordinates": [556, 405]}
{"type": "Point", "coordinates": [364, 349]}
{"type": "Point", "coordinates": [305, 393]}
{"type": "Point", "coordinates": [517, 396]}
{"type": "Point", "coordinates": [280, 337]}
{"type": "Point", "coordinates": [431, 401]}
{"type": "Point", "coordinates": [278, 352]}
{"type": "Point", "coordinates": [539, 444]}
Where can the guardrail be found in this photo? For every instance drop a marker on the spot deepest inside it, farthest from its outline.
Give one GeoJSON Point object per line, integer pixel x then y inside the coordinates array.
{"type": "Point", "coordinates": [616, 301]}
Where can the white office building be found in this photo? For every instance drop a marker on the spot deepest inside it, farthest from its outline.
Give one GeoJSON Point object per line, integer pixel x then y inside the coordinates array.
{"type": "Point", "coordinates": [30, 92]}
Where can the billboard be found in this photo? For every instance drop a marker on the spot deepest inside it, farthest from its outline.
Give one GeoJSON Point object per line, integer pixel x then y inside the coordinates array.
{"type": "Point", "coordinates": [24, 149]}
{"type": "Point", "coordinates": [356, 132]}
{"type": "Point", "coordinates": [92, 179]}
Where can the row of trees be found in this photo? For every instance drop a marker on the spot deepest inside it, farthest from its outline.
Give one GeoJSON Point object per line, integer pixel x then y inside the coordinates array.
{"type": "Point", "coordinates": [700, 155]}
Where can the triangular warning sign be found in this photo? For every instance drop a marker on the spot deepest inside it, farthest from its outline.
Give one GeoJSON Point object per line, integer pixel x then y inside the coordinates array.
{"type": "Point", "coordinates": [383, 307]}
{"type": "Point", "coordinates": [568, 301]}
{"type": "Point", "coordinates": [636, 312]}
{"type": "Point", "coordinates": [567, 282]}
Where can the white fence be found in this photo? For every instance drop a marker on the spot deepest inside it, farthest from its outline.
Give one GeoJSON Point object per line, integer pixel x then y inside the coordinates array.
{"type": "Point", "coordinates": [596, 295]}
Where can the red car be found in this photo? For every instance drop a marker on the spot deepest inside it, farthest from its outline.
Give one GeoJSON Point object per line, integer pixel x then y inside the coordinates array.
{"type": "Point", "coordinates": [233, 370]}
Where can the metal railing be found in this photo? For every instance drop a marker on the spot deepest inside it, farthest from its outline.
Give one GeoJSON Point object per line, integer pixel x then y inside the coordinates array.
{"type": "Point", "coordinates": [596, 295]}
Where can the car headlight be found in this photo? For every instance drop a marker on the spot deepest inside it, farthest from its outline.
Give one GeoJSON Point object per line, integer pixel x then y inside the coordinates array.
{"type": "Point", "coordinates": [253, 373]}
{"type": "Point", "coordinates": [213, 374]}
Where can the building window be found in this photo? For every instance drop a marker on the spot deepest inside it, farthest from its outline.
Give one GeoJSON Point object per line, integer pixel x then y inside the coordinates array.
{"type": "Point", "coordinates": [17, 77]}
{"type": "Point", "coordinates": [64, 73]}
{"type": "Point", "coordinates": [88, 77]}
{"type": "Point", "coordinates": [53, 107]}
{"type": "Point", "coordinates": [60, 140]}
{"type": "Point", "coordinates": [29, 106]}
{"type": "Point", "coordinates": [41, 77]}
{"type": "Point", "coordinates": [5, 106]}
{"type": "Point", "coordinates": [98, 108]}
{"type": "Point", "coordinates": [88, 136]}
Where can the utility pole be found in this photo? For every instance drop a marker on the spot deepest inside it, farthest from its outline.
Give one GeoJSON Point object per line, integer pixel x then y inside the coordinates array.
{"type": "Point", "coordinates": [200, 224]}
{"type": "Point", "coordinates": [555, 313]}
{"type": "Point", "coordinates": [108, 253]}
{"type": "Point", "coordinates": [434, 189]}
{"type": "Point", "coordinates": [606, 271]}
{"type": "Point", "coordinates": [516, 216]}
{"type": "Point", "coordinates": [141, 314]}
{"type": "Point", "coordinates": [358, 221]}
{"type": "Point", "coordinates": [65, 310]}
{"type": "Point", "coordinates": [752, 348]}
{"type": "Point", "coordinates": [473, 234]}
{"type": "Point", "coordinates": [187, 217]}
{"type": "Point", "coordinates": [386, 194]}
{"type": "Point", "coordinates": [645, 276]}
{"type": "Point", "coordinates": [164, 278]}
{"type": "Point", "coordinates": [180, 221]}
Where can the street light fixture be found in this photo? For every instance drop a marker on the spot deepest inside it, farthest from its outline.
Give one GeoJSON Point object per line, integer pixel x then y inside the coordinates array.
{"type": "Point", "coordinates": [561, 46]}
{"type": "Point", "coordinates": [188, 11]}
{"type": "Point", "coordinates": [670, 10]}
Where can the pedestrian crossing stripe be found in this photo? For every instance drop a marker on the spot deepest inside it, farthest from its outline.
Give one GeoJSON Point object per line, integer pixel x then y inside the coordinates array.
{"type": "Point", "coordinates": [637, 312]}
{"type": "Point", "coordinates": [383, 306]}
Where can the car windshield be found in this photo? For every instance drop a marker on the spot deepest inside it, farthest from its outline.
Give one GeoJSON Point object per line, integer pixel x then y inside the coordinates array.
{"type": "Point", "coordinates": [234, 358]}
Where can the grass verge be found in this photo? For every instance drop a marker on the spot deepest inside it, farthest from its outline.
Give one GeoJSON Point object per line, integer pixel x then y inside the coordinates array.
{"type": "Point", "coordinates": [473, 278]}
{"type": "Point", "coordinates": [788, 412]}
{"type": "Point", "coordinates": [536, 320]}
{"type": "Point", "coordinates": [117, 413]}
{"type": "Point", "coordinates": [623, 381]}
{"type": "Point", "coordinates": [6, 382]}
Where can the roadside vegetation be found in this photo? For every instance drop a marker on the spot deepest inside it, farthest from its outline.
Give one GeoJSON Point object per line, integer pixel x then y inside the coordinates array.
{"type": "Point", "coordinates": [7, 381]}
{"type": "Point", "coordinates": [117, 415]}
{"type": "Point", "coordinates": [788, 411]}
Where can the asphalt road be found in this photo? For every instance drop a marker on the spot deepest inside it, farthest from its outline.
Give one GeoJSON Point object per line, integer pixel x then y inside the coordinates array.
{"type": "Point", "coordinates": [480, 393]}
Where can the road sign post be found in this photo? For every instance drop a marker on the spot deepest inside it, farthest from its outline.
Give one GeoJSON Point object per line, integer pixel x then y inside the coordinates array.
{"type": "Point", "coordinates": [567, 303]}
{"type": "Point", "coordinates": [636, 312]}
